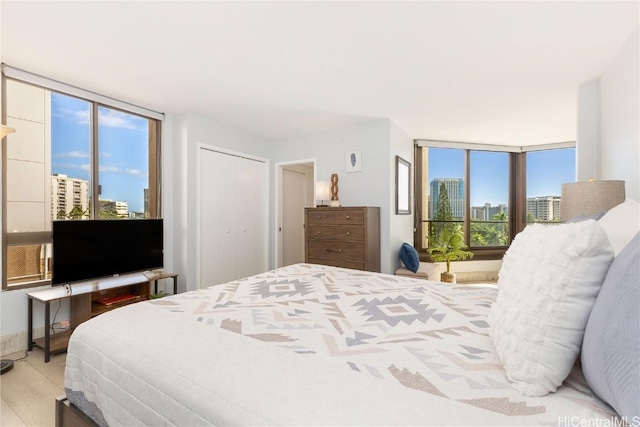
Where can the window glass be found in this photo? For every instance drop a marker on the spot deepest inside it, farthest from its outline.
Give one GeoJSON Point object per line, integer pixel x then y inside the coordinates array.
{"type": "Point", "coordinates": [123, 141]}
{"type": "Point", "coordinates": [489, 195]}
{"type": "Point", "coordinates": [70, 157]}
{"type": "Point", "coordinates": [49, 172]}
{"type": "Point", "coordinates": [446, 171]}
{"type": "Point", "coordinates": [546, 172]}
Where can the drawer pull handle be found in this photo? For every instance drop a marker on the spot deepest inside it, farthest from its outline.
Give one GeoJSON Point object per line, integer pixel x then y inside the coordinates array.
{"type": "Point", "coordinates": [348, 217]}
{"type": "Point", "coordinates": [319, 232]}
{"type": "Point", "coordinates": [339, 251]}
{"type": "Point", "coordinates": [348, 233]}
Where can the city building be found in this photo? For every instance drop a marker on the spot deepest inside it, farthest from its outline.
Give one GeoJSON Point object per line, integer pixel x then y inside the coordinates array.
{"type": "Point", "coordinates": [67, 194]}
{"type": "Point", "coordinates": [113, 209]}
{"type": "Point", "coordinates": [545, 208]}
{"type": "Point", "coordinates": [455, 191]}
{"type": "Point", "coordinates": [487, 212]}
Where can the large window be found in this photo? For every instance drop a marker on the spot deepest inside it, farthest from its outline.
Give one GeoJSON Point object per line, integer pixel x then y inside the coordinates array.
{"type": "Point", "coordinates": [546, 172]}
{"type": "Point", "coordinates": [487, 195]}
{"type": "Point", "coordinates": [69, 159]}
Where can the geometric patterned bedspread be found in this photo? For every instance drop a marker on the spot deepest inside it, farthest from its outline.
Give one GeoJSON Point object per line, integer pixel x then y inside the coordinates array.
{"type": "Point", "coordinates": [428, 338]}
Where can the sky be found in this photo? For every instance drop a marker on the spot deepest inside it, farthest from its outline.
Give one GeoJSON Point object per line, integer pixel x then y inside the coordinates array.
{"type": "Point", "coordinates": [546, 172]}
{"type": "Point", "coordinates": [122, 144]}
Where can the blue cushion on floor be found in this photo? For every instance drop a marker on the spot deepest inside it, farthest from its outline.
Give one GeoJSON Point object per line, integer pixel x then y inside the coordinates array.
{"type": "Point", "coordinates": [409, 257]}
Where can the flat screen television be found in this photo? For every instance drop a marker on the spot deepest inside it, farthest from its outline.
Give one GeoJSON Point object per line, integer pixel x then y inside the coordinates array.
{"type": "Point", "coordinates": [91, 249]}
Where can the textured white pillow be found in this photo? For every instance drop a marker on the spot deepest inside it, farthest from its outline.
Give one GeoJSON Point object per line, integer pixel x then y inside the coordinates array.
{"type": "Point", "coordinates": [547, 285]}
{"type": "Point", "coordinates": [621, 223]}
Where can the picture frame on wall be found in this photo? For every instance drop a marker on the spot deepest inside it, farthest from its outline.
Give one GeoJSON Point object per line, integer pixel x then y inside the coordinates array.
{"type": "Point", "coordinates": [403, 186]}
{"type": "Point", "coordinates": [353, 161]}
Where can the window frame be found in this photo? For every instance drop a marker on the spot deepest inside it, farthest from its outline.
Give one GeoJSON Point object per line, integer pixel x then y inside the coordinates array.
{"type": "Point", "coordinates": [155, 121]}
{"type": "Point", "coordinates": [517, 197]}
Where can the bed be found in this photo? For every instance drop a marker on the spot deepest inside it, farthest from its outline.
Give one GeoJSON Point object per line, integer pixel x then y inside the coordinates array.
{"type": "Point", "coordinates": [309, 345]}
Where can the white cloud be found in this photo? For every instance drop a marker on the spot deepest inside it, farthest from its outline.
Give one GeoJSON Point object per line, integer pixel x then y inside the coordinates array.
{"type": "Point", "coordinates": [117, 119]}
{"type": "Point", "coordinates": [85, 167]}
{"type": "Point", "coordinates": [135, 172]}
{"type": "Point", "coordinates": [110, 169]}
{"type": "Point", "coordinates": [74, 154]}
{"type": "Point", "coordinates": [107, 117]}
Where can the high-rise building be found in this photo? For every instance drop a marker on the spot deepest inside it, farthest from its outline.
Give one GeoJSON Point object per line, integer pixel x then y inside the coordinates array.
{"type": "Point", "coordinates": [487, 212]}
{"type": "Point", "coordinates": [455, 191]}
{"type": "Point", "coordinates": [122, 209]}
{"type": "Point", "coordinates": [546, 208]}
{"type": "Point", "coordinates": [113, 209]}
{"type": "Point", "coordinates": [67, 194]}
{"type": "Point", "coordinates": [146, 203]}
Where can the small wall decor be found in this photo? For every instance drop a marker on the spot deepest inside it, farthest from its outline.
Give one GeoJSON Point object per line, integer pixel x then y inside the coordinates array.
{"type": "Point", "coordinates": [353, 161]}
{"type": "Point", "coordinates": [403, 186]}
{"type": "Point", "coordinates": [334, 203]}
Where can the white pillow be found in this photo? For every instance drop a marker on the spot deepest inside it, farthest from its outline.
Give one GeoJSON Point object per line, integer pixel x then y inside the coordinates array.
{"type": "Point", "coordinates": [547, 285]}
{"type": "Point", "coordinates": [621, 223]}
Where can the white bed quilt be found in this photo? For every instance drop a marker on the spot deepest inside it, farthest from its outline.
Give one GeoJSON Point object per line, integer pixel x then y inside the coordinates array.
{"type": "Point", "coordinates": [309, 345]}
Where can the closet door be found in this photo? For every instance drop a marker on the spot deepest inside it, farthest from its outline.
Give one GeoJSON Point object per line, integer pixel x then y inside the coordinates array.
{"type": "Point", "coordinates": [250, 213]}
{"type": "Point", "coordinates": [208, 262]}
{"type": "Point", "coordinates": [232, 217]}
{"type": "Point", "coordinates": [227, 213]}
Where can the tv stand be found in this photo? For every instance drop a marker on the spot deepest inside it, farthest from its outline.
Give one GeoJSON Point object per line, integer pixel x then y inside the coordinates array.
{"type": "Point", "coordinates": [84, 299]}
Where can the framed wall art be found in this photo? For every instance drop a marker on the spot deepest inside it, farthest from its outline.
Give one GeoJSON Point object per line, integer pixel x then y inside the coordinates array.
{"type": "Point", "coordinates": [353, 161]}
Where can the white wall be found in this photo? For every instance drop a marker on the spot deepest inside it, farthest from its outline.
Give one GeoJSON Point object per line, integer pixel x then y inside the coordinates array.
{"type": "Point", "coordinates": [619, 146]}
{"type": "Point", "coordinates": [400, 227]}
{"type": "Point", "coordinates": [608, 127]}
{"type": "Point", "coordinates": [588, 131]}
{"type": "Point", "coordinates": [373, 186]}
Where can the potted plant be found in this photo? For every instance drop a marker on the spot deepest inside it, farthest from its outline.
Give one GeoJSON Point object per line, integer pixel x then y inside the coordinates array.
{"type": "Point", "coordinates": [449, 247]}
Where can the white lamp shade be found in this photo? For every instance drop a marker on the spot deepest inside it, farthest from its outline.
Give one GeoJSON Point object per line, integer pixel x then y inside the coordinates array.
{"type": "Point", "coordinates": [590, 198]}
{"type": "Point", "coordinates": [5, 130]}
{"type": "Point", "coordinates": [323, 190]}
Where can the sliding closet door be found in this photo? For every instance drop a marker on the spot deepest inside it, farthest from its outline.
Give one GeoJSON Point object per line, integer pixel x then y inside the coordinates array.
{"type": "Point", "coordinates": [209, 218]}
{"type": "Point", "coordinates": [251, 213]}
{"type": "Point", "coordinates": [233, 217]}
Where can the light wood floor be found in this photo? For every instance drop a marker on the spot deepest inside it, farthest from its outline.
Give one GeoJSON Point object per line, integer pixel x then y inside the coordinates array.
{"type": "Point", "coordinates": [29, 390]}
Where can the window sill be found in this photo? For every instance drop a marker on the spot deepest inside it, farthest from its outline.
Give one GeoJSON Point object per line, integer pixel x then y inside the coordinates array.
{"type": "Point", "coordinates": [26, 285]}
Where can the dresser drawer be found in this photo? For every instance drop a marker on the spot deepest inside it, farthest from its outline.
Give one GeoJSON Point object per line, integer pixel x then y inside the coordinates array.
{"type": "Point", "coordinates": [346, 216]}
{"type": "Point", "coordinates": [336, 250]}
{"type": "Point", "coordinates": [323, 216]}
{"type": "Point", "coordinates": [356, 265]}
{"type": "Point", "coordinates": [320, 232]}
{"type": "Point", "coordinates": [349, 232]}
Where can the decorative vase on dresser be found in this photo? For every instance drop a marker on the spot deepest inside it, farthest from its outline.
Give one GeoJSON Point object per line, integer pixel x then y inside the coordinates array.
{"type": "Point", "coordinates": [346, 237]}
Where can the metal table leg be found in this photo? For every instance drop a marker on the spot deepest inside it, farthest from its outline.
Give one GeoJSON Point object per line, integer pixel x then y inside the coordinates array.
{"type": "Point", "coordinates": [47, 331]}
{"type": "Point", "coordinates": [30, 331]}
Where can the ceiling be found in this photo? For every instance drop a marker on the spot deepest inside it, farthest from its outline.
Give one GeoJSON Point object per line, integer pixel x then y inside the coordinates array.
{"type": "Point", "coordinates": [481, 71]}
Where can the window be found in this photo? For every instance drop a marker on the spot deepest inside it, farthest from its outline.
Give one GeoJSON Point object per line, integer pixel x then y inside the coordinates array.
{"type": "Point", "coordinates": [546, 172]}
{"type": "Point", "coordinates": [485, 194]}
{"type": "Point", "coordinates": [66, 150]}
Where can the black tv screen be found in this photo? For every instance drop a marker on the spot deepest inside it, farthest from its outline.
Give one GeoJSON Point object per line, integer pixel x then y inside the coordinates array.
{"type": "Point", "coordinates": [90, 249]}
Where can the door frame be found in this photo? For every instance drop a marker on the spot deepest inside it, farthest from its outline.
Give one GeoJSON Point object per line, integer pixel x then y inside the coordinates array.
{"type": "Point", "coordinates": [265, 200]}
{"type": "Point", "coordinates": [279, 202]}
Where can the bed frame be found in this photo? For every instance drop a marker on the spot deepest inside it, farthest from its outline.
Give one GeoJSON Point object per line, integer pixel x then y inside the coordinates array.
{"type": "Point", "coordinates": [68, 415]}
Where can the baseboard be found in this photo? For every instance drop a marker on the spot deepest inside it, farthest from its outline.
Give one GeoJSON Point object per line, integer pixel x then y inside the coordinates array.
{"type": "Point", "coordinates": [14, 343]}
{"type": "Point", "coordinates": [477, 277]}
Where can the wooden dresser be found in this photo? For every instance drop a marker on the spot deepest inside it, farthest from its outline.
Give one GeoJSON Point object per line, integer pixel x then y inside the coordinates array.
{"type": "Point", "coordinates": [346, 237]}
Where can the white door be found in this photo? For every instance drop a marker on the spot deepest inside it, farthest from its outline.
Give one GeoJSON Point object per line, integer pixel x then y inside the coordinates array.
{"type": "Point", "coordinates": [232, 217]}
{"type": "Point", "coordinates": [293, 203]}
{"type": "Point", "coordinates": [209, 218]}
{"type": "Point", "coordinates": [250, 214]}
